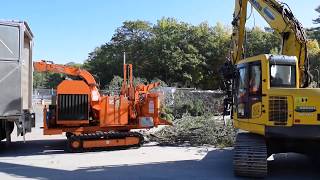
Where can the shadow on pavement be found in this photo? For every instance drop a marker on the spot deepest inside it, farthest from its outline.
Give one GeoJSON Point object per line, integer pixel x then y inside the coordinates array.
{"type": "Point", "coordinates": [293, 166]}
{"type": "Point", "coordinates": [43, 147]}
{"type": "Point", "coordinates": [33, 147]}
{"type": "Point", "coordinates": [216, 164]}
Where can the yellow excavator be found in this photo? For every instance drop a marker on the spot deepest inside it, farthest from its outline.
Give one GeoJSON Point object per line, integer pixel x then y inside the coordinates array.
{"type": "Point", "coordinates": [268, 95]}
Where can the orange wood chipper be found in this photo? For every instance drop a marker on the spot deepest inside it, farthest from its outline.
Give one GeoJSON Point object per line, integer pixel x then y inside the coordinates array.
{"type": "Point", "coordinates": [91, 120]}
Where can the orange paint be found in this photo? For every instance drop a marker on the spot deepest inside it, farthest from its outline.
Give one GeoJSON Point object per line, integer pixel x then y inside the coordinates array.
{"type": "Point", "coordinates": [104, 113]}
{"type": "Point", "coordinates": [110, 142]}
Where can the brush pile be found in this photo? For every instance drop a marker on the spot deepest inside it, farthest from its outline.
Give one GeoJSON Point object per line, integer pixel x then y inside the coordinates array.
{"type": "Point", "coordinates": [195, 131]}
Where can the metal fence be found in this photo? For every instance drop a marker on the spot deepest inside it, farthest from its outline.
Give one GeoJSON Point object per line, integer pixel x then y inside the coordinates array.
{"type": "Point", "coordinates": [171, 96]}
{"type": "Point", "coordinates": [42, 96]}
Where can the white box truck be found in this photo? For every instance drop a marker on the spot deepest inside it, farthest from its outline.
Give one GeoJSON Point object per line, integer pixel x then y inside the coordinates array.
{"type": "Point", "coordinates": [15, 78]}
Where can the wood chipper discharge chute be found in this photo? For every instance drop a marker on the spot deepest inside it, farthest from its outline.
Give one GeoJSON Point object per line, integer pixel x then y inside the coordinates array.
{"type": "Point", "coordinates": [91, 120]}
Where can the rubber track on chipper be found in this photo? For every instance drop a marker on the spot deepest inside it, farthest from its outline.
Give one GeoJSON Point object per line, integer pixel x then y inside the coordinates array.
{"type": "Point", "coordinates": [250, 156]}
{"type": "Point", "coordinates": [104, 140]}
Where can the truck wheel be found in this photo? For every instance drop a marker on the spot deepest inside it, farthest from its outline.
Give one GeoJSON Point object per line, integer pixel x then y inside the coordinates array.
{"type": "Point", "coordinates": [3, 128]}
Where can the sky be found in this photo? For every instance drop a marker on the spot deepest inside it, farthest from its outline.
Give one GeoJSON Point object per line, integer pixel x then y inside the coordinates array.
{"type": "Point", "coordinates": [67, 30]}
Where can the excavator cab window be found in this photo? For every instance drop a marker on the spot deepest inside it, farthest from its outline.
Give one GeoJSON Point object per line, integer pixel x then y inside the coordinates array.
{"type": "Point", "coordinates": [282, 76]}
{"type": "Point", "coordinates": [255, 79]}
{"type": "Point", "coordinates": [249, 88]}
{"type": "Point", "coordinates": [242, 90]}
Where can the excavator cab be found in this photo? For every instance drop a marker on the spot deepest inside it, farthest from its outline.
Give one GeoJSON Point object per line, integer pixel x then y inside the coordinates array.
{"type": "Point", "coordinates": [255, 76]}
{"type": "Point", "coordinates": [273, 112]}
{"type": "Point", "coordinates": [270, 101]}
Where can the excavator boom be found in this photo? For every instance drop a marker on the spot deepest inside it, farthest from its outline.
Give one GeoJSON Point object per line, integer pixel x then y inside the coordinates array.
{"type": "Point", "coordinates": [280, 18]}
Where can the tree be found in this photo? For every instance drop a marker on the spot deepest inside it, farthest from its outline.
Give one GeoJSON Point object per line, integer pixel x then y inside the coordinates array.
{"type": "Point", "coordinates": [314, 56]}
{"type": "Point", "coordinates": [106, 61]}
{"type": "Point", "coordinates": [314, 33]}
{"type": "Point", "coordinates": [213, 43]}
{"type": "Point", "coordinates": [52, 80]}
{"type": "Point", "coordinates": [178, 53]}
{"type": "Point", "coordinates": [38, 79]}
{"type": "Point", "coordinates": [317, 20]}
{"type": "Point", "coordinates": [115, 84]}
{"type": "Point", "coordinates": [313, 46]}
{"type": "Point", "coordinates": [261, 42]}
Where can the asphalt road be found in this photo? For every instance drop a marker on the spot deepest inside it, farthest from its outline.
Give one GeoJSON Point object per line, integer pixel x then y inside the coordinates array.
{"type": "Point", "coordinates": [43, 157]}
{"type": "Point", "coordinates": [46, 159]}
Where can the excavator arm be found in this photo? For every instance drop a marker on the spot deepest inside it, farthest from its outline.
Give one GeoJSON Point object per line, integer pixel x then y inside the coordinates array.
{"type": "Point", "coordinates": [280, 18]}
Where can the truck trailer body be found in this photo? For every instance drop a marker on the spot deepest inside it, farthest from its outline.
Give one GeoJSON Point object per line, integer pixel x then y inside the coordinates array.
{"type": "Point", "coordinates": [15, 78]}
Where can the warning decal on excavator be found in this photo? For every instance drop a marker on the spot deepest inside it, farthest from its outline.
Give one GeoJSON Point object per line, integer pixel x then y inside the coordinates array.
{"type": "Point", "coordinates": [268, 13]}
{"type": "Point", "coordinates": [256, 110]}
{"type": "Point", "coordinates": [301, 101]}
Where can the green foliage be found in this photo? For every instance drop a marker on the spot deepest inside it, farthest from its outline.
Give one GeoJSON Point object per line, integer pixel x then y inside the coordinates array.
{"type": "Point", "coordinates": [37, 79]}
{"type": "Point", "coordinates": [314, 33]}
{"type": "Point", "coordinates": [52, 80]}
{"type": "Point", "coordinates": [193, 103]}
{"type": "Point", "coordinates": [317, 20]}
{"type": "Point", "coordinates": [139, 80]}
{"type": "Point", "coordinates": [193, 107]}
{"type": "Point", "coordinates": [162, 83]}
{"type": "Point", "coordinates": [166, 113]}
{"type": "Point", "coordinates": [261, 42]}
{"type": "Point", "coordinates": [314, 57]}
{"type": "Point", "coordinates": [313, 47]}
{"type": "Point", "coordinates": [197, 131]}
{"type": "Point", "coordinates": [115, 83]}
{"type": "Point", "coordinates": [46, 80]}
{"type": "Point", "coordinates": [178, 53]}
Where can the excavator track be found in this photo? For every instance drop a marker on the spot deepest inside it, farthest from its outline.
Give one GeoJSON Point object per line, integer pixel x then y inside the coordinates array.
{"type": "Point", "coordinates": [87, 142]}
{"type": "Point", "coordinates": [250, 156]}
